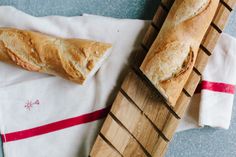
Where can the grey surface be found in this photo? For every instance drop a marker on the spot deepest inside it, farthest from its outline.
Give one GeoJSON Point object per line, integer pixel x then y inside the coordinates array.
{"type": "Point", "coordinates": [143, 9]}
{"type": "Point", "coordinates": [206, 142]}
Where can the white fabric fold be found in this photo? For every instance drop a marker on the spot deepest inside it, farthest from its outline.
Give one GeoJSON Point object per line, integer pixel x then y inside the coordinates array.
{"type": "Point", "coordinates": [216, 107]}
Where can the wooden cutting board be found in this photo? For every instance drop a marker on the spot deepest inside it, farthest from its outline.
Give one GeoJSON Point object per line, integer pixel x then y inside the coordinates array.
{"type": "Point", "coordinates": [140, 123]}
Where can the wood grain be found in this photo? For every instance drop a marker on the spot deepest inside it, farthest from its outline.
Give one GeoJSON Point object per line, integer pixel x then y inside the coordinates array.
{"type": "Point", "coordinates": [210, 39]}
{"type": "Point", "coordinates": [121, 138]}
{"type": "Point", "coordinates": [230, 3]}
{"type": "Point", "coordinates": [150, 104]}
{"type": "Point", "coordinates": [182, 104]}
{"type": "Point", "coordinates": [101, 148]}
{"type": "Point", "coordinates": [201, 61]}
{"type": "Point", "coordinates": [192, 83]}
{"type": "Point", "coordinates": [126, 112]}
{"type": "Point", "coordinates": [159, 18]}
{"type": "Point", "coordinates": [219, 19]}
{"type": "Point", "coordinates": [136, 122]}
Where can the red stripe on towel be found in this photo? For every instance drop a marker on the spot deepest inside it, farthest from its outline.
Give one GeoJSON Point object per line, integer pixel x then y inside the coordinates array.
{"type": "Point", "coordinates": [216, 87]}
{"type": "Point", "coordinates": [55, 126]}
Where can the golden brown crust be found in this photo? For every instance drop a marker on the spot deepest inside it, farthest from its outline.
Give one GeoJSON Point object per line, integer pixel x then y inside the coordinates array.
{"type": "Point", "coordinates": [186, 24]}
{"type": "Point", "coordinates": [71, 59]}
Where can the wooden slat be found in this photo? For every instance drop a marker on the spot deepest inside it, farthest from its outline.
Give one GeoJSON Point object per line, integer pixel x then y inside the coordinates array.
{"type": "Point", "coordinates": [230, 3]}
{"type": "Point", "coordinates": [138, 91]}
{"type": "Point", "coordinates": [127, 113]}
{"type": "Point", "coordinates": [147, 135]}
{"type": "Point", "coordinates": [120, 138]}
{"type": "Point", "coordinates": [133, 149]}
{"type": "Point", "coordinates": [115, 134]}
{"type": "Point", "coordinates": [201, 60]}
{"type": "Point", "coordinates": [219, 19]}
{"type": "Point", "coordinates": [210, 39]}
{"type": "Point", "coordinates": [170, 127]}
{"type": "Point", "coordinates": [149, 37]}
{"type": "Point", "coordinates": [160, 149]}
{"type": "Point", "coordinates": [182, 104]}
{"type": "Point", "coordinates": [157, 112]}
{"type": "Point", "coordinates": [192, 83]}
{"type": "Point", "coordinates": [159, 17]}
{"type": "Point", "coordinates": [139, 55]}
{"type": "Point", "coordinates": [101, 148]}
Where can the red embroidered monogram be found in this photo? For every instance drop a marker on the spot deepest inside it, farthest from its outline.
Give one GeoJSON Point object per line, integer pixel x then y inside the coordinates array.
{"type": "Point", "coordinates": [30, 104]}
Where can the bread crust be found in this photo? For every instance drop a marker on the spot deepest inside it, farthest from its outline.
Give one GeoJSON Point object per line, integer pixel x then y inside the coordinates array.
{"type": "Point", "coordinates": [177, 44]}
{"type": "Point", "coordinates": [72, 59]}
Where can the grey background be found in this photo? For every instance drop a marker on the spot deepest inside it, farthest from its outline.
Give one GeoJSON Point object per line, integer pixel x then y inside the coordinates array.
{"type": "Point", "coordinates": [206, 142]}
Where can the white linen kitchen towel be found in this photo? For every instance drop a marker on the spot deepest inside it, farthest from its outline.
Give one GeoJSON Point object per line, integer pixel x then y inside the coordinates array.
{"type": "Point", "coordinates": [40, 114]}
{"type": "Point", "coordinates": [212, 102]}
{"type": "Point", "coordinates": [218, 85]}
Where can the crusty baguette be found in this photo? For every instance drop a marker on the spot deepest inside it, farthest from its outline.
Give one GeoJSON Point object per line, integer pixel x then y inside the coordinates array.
{"type": "Point", "coordinates": [171, 57]}
{"type": "Point", "coordinates": [72, 59]}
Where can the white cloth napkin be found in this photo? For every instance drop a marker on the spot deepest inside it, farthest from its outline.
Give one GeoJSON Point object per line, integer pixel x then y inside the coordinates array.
{"type": "Point", "coordinates": [43, 115]}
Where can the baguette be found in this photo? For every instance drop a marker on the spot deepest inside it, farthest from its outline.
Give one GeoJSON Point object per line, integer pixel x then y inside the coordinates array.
{"type": "Point", "coordinates": [72, 59]}
{"type": "Point", "coordinates": [172, 55]}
